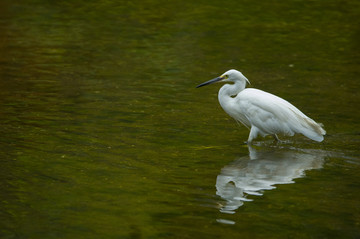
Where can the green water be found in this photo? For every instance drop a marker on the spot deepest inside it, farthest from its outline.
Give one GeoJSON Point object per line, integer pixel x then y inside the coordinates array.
{"type": "Point", "coordinates": [103, 134]}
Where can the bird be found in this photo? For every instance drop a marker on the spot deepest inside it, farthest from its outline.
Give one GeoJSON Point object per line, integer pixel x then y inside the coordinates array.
{"type": "Point", "coordinates": [262, 112]}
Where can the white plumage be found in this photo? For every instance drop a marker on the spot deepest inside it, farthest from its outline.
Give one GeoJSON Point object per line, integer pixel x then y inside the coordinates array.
{"type": "Point", "coordinates": [262, 112]}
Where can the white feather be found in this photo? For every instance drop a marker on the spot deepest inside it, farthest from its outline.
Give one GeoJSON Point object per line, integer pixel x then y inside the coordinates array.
{"type": "Point", "coordinates": [262, 112]}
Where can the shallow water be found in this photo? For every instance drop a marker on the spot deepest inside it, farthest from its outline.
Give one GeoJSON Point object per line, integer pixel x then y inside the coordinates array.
{"type": "Point", "coordinates": [105, 136]}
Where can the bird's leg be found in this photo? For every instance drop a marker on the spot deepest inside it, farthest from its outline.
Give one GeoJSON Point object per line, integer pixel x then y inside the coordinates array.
{"type": "Point", "coordinates": [276, 139]}
{"type": "Point", "coordinates": [253, 134]}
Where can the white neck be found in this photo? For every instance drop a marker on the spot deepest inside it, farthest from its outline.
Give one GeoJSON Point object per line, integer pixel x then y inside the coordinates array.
{"type": "Point", "coordinates": [228, 91]}
{"type": "Point", "coordinates": [231, 90]}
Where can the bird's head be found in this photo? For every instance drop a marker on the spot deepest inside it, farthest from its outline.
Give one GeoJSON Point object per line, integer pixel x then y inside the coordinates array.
{"type": "Point", "coordinates": [230, 75]}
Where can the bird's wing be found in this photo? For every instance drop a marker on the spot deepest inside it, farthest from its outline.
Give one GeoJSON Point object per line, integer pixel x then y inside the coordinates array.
{"type": "Point", "coordinates": [272, 114]}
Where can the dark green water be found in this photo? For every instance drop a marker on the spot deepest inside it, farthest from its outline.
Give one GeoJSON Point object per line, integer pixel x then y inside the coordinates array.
{"type": "Point", "coordinates": [103, 134]}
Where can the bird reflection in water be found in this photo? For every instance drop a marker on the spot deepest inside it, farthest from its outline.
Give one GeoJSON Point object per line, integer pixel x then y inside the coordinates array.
{"type": "Point", "coordinates": [261, 170]}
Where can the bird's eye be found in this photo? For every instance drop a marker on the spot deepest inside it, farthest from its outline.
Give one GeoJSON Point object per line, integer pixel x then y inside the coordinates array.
{"type": "Point", "coordinates": [226, 76]}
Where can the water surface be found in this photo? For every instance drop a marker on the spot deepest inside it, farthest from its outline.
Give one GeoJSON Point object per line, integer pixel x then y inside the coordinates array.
{"type": "Point", "coordinates": [105, 136]}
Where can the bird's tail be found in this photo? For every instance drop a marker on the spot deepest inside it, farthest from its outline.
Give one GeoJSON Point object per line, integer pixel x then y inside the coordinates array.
{"type": "Point", "coordinates": [312, 130]}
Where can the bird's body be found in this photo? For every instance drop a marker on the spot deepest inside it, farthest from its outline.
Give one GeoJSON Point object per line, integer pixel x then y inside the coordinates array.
{"type": "Point", "coordinates": [262, 112]}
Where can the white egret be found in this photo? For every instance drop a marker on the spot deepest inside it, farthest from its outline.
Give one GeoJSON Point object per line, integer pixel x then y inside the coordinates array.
{"type": "Point", "coordinates": [262, 112]}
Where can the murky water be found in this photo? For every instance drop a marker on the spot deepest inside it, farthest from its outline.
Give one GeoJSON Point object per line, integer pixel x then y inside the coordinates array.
{"type": "Point", "coordinates": [105, 136]}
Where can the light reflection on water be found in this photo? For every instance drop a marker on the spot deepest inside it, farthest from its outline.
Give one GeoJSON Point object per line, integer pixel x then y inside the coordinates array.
{"type": "Point", "coordinates": [262, 170]}
{"type": "Point", "coordinates": [99, 112]}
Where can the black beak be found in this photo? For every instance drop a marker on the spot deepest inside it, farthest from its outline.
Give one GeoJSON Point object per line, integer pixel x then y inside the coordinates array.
{"type": "Point", "coordinates": [210, 81]}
